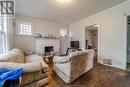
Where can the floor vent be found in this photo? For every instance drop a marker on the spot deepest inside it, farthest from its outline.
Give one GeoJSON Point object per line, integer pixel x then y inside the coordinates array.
{"type": "Point", "coordinates": [107, 61]}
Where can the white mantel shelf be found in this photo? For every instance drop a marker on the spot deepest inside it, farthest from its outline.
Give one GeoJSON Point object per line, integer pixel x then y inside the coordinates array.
{"type": "Point", "coordinates": [47, 38]}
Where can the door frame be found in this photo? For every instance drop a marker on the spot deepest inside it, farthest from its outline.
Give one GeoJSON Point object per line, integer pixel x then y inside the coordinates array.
{"type": "Point", "coordinates": [126, 27]}
{"type": "Point", "coordinates": [99, 38]}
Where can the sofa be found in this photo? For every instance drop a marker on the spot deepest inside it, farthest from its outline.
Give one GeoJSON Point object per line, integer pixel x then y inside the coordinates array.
{"type": "Point", "coordinates": [70, 67]}
{"type": "Point", "coordinates": [35, 69]}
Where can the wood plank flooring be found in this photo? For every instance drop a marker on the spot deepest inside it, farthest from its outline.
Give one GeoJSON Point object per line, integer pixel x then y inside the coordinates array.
{"type": "Point", "coordinates": [99, 76]}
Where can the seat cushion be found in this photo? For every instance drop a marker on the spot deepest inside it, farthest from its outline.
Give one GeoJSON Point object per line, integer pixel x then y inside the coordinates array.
{"type": "Point", "coordinates": [33, 58]}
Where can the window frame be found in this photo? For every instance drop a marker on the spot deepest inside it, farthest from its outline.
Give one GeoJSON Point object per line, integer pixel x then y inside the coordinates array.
{"type": "Point", "coordinates": [17, 33]}
{"type": "Point", "coordinates": [1, 24]}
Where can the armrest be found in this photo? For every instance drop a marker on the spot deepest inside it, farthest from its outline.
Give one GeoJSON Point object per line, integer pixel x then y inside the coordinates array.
{"type": "Point", "coordinates": [10, 65]}
{"type": "Point", "coordinates": [27, 67]}
{"type": "Point", "coordinates": [32, 67]}
{"type": "Point", "coordinates": [64, 59]}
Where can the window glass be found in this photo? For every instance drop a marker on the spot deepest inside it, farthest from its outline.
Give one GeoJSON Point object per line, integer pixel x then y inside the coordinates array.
{"type": "Point", "coordinates": [24, 29]}
{"type": "Point", "coordinates": [63, 33]}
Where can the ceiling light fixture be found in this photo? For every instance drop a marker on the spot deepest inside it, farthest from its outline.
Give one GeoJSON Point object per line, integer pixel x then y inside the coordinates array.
{"type": "Point", "coordinates": [96, 25]}
{"type": "Point", "coordinates": [64, 1]}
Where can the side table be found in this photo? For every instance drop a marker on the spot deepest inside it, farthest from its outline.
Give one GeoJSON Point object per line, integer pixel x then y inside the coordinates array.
{"type": "Point", "coordinates": [48, 59]}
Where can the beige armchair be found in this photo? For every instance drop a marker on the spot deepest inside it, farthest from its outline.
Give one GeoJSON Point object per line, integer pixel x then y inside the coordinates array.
{"type": "Point", "coordinates": [70, 67]}
{"type": "Point", "coordinates": [35, 69]}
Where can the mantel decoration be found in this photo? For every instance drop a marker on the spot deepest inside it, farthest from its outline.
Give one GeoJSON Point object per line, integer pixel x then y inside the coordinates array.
{"type": "Point", "coordinates": [37, 35]}
{"type": "Point", "coordinates": [49, 36]}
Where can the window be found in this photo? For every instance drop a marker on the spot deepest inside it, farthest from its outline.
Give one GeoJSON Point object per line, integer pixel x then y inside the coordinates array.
{"type": "Point", "coordinates": [63, 33]}
{"type": "Point", "coordinates": [24, 29]}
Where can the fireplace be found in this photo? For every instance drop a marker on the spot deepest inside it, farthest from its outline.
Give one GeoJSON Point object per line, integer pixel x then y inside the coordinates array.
{"type": "Point", "coordinates": [49, 49]}
{"type": "Point", "coordinates": [44, 45]}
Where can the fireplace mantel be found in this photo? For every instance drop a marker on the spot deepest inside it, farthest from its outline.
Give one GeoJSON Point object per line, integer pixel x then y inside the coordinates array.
{"type": "Point", "coordinates": [41, 43]}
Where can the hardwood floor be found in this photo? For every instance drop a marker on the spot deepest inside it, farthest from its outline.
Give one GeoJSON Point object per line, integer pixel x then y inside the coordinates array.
{"type": "Point", "coordinates": [99, 76]}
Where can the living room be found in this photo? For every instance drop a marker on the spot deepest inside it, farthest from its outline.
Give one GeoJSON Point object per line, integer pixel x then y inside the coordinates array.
{"type": "Point", "coordinates": [65, 43]}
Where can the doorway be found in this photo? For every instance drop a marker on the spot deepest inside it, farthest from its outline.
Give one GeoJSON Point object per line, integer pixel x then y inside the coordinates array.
{"type": "Point", "coordinates": [128, 43]}
{"type": "Point", "coordinates": [91, 37]}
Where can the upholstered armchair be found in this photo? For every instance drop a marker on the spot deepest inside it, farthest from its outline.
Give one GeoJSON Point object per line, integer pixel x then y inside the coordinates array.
{"type": "Point", "coordinates": [35, 69]}
{"type": "Point", "coordinates": [70, 67]}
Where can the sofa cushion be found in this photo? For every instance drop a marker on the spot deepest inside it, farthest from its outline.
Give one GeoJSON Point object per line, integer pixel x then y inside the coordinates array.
{"type": "Point", "coordinates": [9, 57]}
{"type": "Point", "coordinates": [20, 54]}
{"type": "Point", "coordinates": [77, 53]}
{"type": "Point", "coordinates": [33, 58]}
{"type": "Point", "coordinates": [35, 66]}
{"type": "Point", "coordinates": [63, 59]}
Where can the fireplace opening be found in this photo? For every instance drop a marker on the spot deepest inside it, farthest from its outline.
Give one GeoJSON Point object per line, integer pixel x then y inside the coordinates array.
{"type": "Point", "coordinates": [49, 49]}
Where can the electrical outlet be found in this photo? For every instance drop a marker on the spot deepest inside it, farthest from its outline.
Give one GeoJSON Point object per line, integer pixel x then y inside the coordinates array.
{"type": "Point", "coordinates": [107, 61]}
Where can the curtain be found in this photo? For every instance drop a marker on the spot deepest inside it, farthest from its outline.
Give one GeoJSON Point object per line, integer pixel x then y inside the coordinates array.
{"type": "Point", "coordinates": [1, 42]}
{"type": "Point", "coordinates": [9, 33]}
{"type": "Point", "coordinates": [8, 29]}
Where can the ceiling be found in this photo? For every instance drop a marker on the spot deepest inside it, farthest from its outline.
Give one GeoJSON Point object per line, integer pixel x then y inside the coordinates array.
{"type": "Point", "coordinates": [65, 12]}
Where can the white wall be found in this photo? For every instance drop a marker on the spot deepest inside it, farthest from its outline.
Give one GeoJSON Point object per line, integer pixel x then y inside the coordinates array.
{"type": "Point", "coordinates": [112, 33]}
{"type": "Point", "coordinates": [39, 26]}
